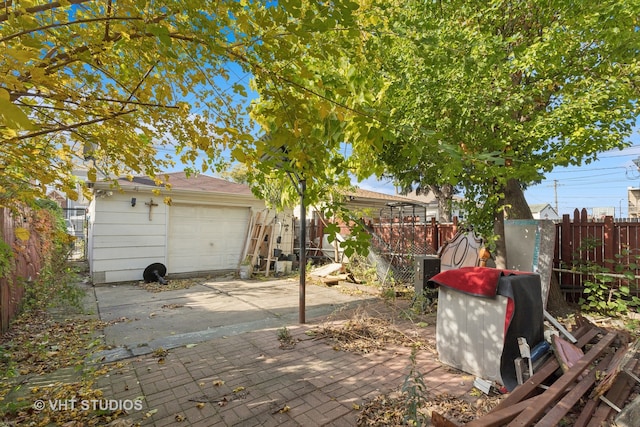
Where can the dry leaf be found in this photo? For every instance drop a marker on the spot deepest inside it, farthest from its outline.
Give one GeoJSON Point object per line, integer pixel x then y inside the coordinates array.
{"type": "Point", "coordinates": [150, 413]}
{"type": "Point", "coordinates": [238, 389]}
{"type": "Point", "coordinates": [200, 405]}
{"type": "Point", "coordinates": [218, 383]}
{"type": "Point", "coordinates": [180, 418]}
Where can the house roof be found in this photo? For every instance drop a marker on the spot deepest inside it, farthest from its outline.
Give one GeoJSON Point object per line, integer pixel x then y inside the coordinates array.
{"type": "Point", "coordinates": [372, 195]}
{"type": "Point", "coordinates": [539, 207]}
{"type": "Point", "coordinates": [199, 183]}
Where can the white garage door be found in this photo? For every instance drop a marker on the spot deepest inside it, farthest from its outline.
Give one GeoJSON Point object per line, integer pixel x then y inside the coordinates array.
{"type": "Point", "coordinates": [205, 238]}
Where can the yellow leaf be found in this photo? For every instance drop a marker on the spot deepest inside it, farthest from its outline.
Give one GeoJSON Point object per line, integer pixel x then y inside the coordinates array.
{"type": "Point", "coordinates": [238, 389]}
{"type": "Point", "coordinates": [218, 383]}
{"type": "Point", "coordinates": [22, 234]}
{"type": "Point", "coordinates": [356, 406]}
{"type": "Point", "coordinates": [200, 405]}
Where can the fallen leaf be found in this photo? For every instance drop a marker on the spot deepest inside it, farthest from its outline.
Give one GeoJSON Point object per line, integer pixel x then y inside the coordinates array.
{"type": "Point", "coordinates": [238, 389]}
{"type": "Point", "coordinates": [284, 409]}
{"type": "Point", "coordinates": [180, 418]}
{"type": "Point", "coordinates": [200, 405]}
{"type": "Point", "coordinates": [218, 383]}
{"type": "Point", "coordinates": [355, 406]}
{"type": "Point", "coordinates": [150, 413]}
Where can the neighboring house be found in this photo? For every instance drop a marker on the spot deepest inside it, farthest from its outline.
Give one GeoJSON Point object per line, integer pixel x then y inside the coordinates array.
{"type": "Point", "coordinates": [429, 200]}
{"type": "Point", "coordinates": [543, 211]}
{"type": "Point", "coordinates": [373, 205]}
{"type": "Point", "coordinates": [204, 229]}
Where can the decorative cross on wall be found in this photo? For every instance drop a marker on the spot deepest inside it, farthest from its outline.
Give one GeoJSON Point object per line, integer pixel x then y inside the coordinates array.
{"type": "Point", "coordinates": [151, 205]}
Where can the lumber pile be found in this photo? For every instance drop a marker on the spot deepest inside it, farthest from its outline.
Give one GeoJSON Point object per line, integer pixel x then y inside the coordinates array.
{"type": "Point", "coordinates": [599, 379]}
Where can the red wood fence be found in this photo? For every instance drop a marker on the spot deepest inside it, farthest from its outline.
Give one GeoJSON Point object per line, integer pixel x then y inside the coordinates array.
{"type": "Point", "coordinates": [607, 243]}
{"type": "Point", "coordinates": [27, 261]}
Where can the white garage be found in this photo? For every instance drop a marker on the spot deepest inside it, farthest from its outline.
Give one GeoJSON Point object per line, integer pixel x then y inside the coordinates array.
{"type": "Point", "coordinates": [199, 225]}
{"type": "Point", "coordinates": [206, 237]}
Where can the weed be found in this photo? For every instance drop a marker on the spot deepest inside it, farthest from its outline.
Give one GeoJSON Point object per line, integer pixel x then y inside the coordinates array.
{"type": "Point", "coordinates": [285, 338]}
{"type": "Point", "coordinates": [284, 334]}
{"type": "Point", "coordinates": [415, 390]}
{"type": "Point", "coordinates": [607, 290]}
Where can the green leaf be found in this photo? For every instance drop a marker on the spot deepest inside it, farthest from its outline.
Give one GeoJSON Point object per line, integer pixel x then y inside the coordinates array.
{"type": "Point", "coordinates": [12, 115]}
{"type": "Point", "coordinates": [161, 32]}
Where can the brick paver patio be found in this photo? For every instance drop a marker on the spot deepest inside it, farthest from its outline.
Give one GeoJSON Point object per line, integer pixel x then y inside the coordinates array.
{"type": "Point", "coordinates": [249, 380]}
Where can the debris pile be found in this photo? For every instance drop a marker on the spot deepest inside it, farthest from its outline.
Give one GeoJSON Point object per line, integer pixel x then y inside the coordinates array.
{"type": "Point", "coordinates": [588, 384]}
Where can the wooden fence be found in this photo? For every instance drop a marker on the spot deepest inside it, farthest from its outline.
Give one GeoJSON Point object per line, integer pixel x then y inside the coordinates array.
{"type": "Point", "coordinates": [582, 241]}
{"type": "Point", "coordinates": [27, 260]}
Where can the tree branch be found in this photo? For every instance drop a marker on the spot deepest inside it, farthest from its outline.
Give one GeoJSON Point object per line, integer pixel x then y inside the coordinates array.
{"type": "Point", "coordinates": [34, 9]}
{"type": "Point", "coordinates": [73, 126]}
{"type": "Point", "coordinates": [69, 23]}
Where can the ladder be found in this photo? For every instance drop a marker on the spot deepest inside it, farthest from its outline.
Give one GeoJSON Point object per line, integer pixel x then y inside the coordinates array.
{"type": "Point", "coordinates": [257, 230]}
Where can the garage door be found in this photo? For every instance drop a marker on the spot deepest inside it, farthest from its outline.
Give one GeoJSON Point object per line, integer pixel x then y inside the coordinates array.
{"type": "Point", "coordinates": [205, 238]}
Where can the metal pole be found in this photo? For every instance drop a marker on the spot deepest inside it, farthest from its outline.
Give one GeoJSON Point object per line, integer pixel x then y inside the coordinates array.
{"type": "Point", "coordinates": [303, 250]}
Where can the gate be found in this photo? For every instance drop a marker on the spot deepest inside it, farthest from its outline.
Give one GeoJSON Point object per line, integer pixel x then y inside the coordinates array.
{"type": "Point", "coordinates": [76, 220]}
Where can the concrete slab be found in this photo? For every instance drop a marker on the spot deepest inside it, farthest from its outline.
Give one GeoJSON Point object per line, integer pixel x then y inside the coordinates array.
{"type": "Point", "coordinates": [143, 321]}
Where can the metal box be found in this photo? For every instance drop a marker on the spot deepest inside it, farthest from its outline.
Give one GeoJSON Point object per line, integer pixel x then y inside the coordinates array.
{"type": "Point", "coordinates": [426, 266]}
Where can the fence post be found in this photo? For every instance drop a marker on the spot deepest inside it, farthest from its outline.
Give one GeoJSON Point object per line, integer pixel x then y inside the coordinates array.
{"type": "Point", "coordinates": [609, 242]}
{"type": "Point", "coordinates": [435, 235]}
{"type": "Point", "coordinates": [566, 242]}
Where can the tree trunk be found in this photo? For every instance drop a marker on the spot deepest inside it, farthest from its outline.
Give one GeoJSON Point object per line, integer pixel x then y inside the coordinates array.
{"type": "Point", "coordinates": [444, 196]}
{"type": "Point", "coordinates": [500, 257]}
{"type": "Point", "coordinates": [516, 207]}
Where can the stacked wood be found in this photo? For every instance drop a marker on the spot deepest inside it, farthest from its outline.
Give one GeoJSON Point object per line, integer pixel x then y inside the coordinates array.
{"type": "Point", "coordinates": [603, 378]}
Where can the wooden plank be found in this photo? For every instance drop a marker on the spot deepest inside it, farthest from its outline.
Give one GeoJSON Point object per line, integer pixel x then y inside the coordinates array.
{"type": "Point", "coordinates": [441, 421]}
{"type": "Point", "coordinates": [622, 359]}
{"type": "Point", "coordinates": [529, 415]}
{"type": "Point", "coordinates": [617, 394]}
{"type": "Point", "coordinates": [553, 417]}
{"type": "Point", "coordinates": [584, 335]}
{"type": "Point", "coordinates": [502, 416]}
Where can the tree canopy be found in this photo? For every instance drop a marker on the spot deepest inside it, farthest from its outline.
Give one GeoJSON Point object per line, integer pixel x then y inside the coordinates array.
{"type": "Point", "coordinates": [113, 85]}
{"type": "Point", "coordinates": [515, 87]}
{"type": "Point", "coordinates": [487, 96]}
{"type": "Point", "coordinates": [468, 93]}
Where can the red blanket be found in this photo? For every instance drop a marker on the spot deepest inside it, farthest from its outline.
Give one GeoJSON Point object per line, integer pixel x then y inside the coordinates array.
{"type": "Point", "coordinates": [478, 281]}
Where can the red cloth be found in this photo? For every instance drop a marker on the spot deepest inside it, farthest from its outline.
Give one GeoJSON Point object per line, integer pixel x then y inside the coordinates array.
{"type": "Point", "coordinates": [478, 281]}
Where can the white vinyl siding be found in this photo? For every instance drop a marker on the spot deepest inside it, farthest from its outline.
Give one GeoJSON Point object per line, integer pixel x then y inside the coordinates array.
{"type": "Point", "coordinates": [123, 239]}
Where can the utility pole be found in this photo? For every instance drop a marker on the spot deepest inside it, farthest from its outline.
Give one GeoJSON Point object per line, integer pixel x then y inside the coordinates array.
{"type": "Point", "coordinates": [555, 192]}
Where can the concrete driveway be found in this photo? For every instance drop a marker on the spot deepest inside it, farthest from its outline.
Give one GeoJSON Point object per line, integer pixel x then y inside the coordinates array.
{"type": "Point", "coordinates": [142, 321]}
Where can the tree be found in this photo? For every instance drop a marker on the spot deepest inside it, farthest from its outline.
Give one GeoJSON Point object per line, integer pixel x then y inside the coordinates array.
{"type": "Point", "coordinates": [516, 87]}
{"type": "Point", "coordinates": [113, 84]}
{"type": "Point", "coordinates": [485, 96]}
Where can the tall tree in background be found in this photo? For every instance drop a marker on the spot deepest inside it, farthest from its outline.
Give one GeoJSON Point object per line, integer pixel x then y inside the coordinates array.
{"type": "Point", "coordinates": [516, 88]}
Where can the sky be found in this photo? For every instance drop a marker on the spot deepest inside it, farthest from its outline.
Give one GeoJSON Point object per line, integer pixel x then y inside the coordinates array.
{"type": "Point", "coordinates": [600, 184]}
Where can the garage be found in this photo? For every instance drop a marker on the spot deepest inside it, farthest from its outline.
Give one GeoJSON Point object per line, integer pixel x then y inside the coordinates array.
{"type": "Point", "coordinates": [204, 238]}
{"type": "Point", "coordinates": [192, 224]}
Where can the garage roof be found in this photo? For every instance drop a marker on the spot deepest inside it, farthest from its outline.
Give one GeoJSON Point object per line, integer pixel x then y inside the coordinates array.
{"type": "Point", "coordinates": [180, 181]}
